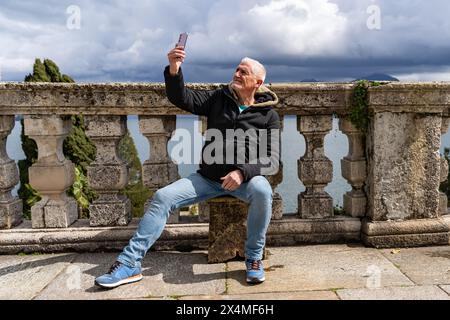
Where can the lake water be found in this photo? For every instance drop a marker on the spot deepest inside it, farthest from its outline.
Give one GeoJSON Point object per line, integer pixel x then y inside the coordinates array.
{"type": "Point", "coordinates": [293, 147]}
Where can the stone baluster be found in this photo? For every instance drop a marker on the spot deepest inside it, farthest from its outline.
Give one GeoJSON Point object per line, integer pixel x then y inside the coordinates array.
{"type": "Point", "coordinates": [443, 200]}
{"type": "Point", "coordinates": [108, 174]}
{"type": "Point", "coordinates": [353, 167]}
{"type": "Point", "coordinates": [315, 169]}
{"type": "Point", "coordinates": [275, 180]}
{"type": "Point", "coordinates": [159, 170]}
{"type": "Point", "coordinates": [52, 174]}
{"type": "Point", "coordinates": [10, 207]}
{"type": "Point", "coordinates": [203, 207]}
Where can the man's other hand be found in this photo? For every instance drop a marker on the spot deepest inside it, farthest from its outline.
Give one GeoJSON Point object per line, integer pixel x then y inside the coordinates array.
{"type": "Point", "coordinates": [176, 58]}
{"type": "Point", "coordinates": [233, 180]}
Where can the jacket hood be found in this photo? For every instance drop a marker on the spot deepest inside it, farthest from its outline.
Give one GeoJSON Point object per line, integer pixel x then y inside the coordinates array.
{"type": "Point", "coordinates": [264, 97]}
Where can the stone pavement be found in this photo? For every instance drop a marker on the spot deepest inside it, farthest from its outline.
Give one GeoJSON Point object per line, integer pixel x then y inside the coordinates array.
{"type": "Point", "coordinates": [331, 272]}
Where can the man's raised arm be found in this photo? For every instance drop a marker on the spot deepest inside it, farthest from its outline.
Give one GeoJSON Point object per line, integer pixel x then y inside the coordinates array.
{"type": "Point", "coordinates": [194, 101]}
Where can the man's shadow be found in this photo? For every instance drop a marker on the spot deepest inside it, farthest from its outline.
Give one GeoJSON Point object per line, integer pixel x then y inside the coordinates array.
{"type": "Point", "coordinates": [175, 267]}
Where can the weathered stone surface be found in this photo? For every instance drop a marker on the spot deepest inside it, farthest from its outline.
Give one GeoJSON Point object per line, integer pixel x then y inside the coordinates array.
{"type": "Point", "coordinates": [404, 170]}
{"type": "Point", "coordinates": [395, 293]}
{"type": "Point", "coordinates": [165, 274]}
{"type": "Point", "coordinates": [314, 124]}
{"type": "Point", "coordinates": [105, 126]}
{"type": "Point", "coordinates": [150, 98]}
{"type": "Point", "coordinates": [10, 213]}
{"type": "Point", "coordinates": [355, 203]}
{"type": "Point", "coordinates": [446, 288]}
{"type": "Point", "coordinates": [315, 170]}
{"type": "Point", "coordinates": [277, 207]}
{"type": "Point", "coordinates": [410, 233]}
{"type": "Point", "coordinates": [50, 178]}
{"type": "Point", "coordinates": [315, 206]}
{"type": "Point", "coordinates": [10, 207]}
{"type": "Point", "coordinates": [227, 229]}
{"type": "Point", "coordinates": [203, 211]}
{"type": "Point", "coordinates": [51, 175]}
{"type": "Point", "coordinates": [443, 199]}
{"type": "Point", "coordinates": [443, 203]}
{"type": "Point", "coordinates": [104, 177]}
{"type": "Point", "coordinates": [81, 237]}
{"type": "Point", "coordinates": [37, 125]}
{"type": "Point", "coordinates": [424, 266]}
{"type": "Point", "coordinates": [23, 277]}
{"type": "Point", "coordinates": [156, 176]}
{"type": "Point", "coordinates": [110, 213]}
{"type": "Point", "coordinates": [295, 295]}
{"type": "Point", "coordinates": [8, 173]}
{"type": "Point", "coordinates": [48, 213]}
{"type": "Point", "coordinates": [354, 171]}
{"type": "Point", "coordinates": [159, 170]}
{"type": "Point", "coordinates": [108, 174]}
{"type": "Point", "coordinates": [318, 171]}
{"type": "Point", "coordinates": [430, 97]}
{"type": "Point", "coordinates": [154, 124]}
{"type": "Point", "coordinates": [323, 267]}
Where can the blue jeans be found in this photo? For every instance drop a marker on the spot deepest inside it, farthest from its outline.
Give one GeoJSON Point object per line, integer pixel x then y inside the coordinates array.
{"type": "Point", "coordinates": [196, 188]}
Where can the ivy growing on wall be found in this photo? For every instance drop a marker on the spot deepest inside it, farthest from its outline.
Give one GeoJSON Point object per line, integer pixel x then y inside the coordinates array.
{"type": "Point", "coordinates": [359, 113]}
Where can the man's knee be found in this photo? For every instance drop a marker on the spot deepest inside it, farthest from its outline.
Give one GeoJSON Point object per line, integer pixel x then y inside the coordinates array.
{"type": "Point", "coordinates": [163, 196]}
{"type": "Point", "coordinates": [259, 187]}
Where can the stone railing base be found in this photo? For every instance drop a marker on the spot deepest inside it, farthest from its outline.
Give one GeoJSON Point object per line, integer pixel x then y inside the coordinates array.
{"type": "Point", "coordinates": [182, 237]}
{"type": "Point", "coordinates": [410, 233]}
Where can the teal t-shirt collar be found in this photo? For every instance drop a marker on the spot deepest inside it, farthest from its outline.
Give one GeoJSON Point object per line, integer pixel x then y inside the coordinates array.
{"type": "Point", "coordinates": [242, 107]}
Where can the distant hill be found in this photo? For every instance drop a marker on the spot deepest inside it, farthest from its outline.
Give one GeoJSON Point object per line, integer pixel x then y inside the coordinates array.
{"type": "Point", "coordinates": [378, 77]}
{"type": "Point", "coordinates": [309, 80]}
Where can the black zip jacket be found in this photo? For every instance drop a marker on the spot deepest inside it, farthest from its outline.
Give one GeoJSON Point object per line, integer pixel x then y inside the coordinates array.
{"type": "Point", "coordinates": [221, 107]}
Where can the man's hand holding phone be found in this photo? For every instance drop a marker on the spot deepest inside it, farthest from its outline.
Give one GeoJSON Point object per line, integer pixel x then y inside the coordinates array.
{"type": "Point", "coordinates": [176, 55]}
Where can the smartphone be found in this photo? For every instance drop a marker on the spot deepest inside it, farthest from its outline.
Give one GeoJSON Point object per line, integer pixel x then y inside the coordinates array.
{"type": "Point", "coordinates": [182, 40]}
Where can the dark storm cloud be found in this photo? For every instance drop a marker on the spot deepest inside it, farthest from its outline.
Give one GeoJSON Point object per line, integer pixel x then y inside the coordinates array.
{"type": "Point", "coordinates": [327, 40]}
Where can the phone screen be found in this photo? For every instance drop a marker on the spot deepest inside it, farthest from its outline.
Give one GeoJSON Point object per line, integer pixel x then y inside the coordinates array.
{"type": "Point", "coordinates": [182, 40]}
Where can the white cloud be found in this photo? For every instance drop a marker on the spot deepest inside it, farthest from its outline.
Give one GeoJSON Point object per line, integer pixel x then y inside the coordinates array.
{"type": "Point", "coordinates": [121, 40]}
{"type": "Point", "coordinates": [270, 28]}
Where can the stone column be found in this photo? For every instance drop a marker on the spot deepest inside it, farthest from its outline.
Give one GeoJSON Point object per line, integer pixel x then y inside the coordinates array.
{"type": "Point", "coordinates": [315, 169]}
{"type": "Point", "coordinates": [108, 174]}
{"type": "Point", "coordinates": [443, 200]}
{"type": "Point", "coordinates": [353, 167]}
{"type": "Point", "coordinates": [159, 170]}
{"type": "Point", "coordinates": [227, 228]}
{"type": "Point", "coordinates": [10, 207]}
{"type": "Point", "coordinates": [51, 175]}
{"type": "Point", "coordinates": [404, 176]}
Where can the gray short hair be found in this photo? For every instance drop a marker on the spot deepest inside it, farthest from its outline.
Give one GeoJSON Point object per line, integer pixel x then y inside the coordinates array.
{"type": "Point", "coordinates": [257, 68]}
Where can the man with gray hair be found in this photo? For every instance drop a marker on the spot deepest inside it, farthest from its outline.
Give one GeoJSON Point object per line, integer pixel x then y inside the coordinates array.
{"type": "Point", "coordinates": [243, 105]}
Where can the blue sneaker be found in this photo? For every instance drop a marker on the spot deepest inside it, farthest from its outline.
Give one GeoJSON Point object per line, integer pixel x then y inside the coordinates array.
{"type": "Point", "coordinates": [117, 275]}
{"type": "Point", "coordinates": [255, 271]}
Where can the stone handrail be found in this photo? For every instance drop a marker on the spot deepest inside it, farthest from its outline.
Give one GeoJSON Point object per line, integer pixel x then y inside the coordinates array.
{"type": "Point", "coordinates": [394, 169]}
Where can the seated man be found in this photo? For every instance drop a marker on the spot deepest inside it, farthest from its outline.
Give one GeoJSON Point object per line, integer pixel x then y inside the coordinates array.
{"type": "Point", "coordinates": [244, 104]}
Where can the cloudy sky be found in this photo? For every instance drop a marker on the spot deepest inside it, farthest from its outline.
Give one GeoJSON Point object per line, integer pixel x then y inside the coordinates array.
{"type": "Point", "coordinates": [329, 40]}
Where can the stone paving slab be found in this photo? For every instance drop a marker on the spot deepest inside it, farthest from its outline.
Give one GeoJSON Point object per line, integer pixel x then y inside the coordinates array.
{"type": "Point", "coordinates": [299, 295]}
{"type": "Point", "coordinates": [446, 288]}
{"type": "Point", "coordinates": [23, 277]}
{"type": "Point", "coordinates": [166, 275]}
{"type": "Point", "coordinates": [321, 267]}
{"type": "Point", "coordinates": [395, 293]}
{"type": "Point", "coordinates": [424, 266]}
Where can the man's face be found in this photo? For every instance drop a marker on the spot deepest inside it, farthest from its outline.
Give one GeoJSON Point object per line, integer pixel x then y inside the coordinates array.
{"type": "Point", "coordinates": [244, 79]}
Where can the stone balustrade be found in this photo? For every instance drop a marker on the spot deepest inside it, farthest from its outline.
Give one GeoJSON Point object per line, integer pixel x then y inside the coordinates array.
{"type": "Point", "coordinates": [394, 169]}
